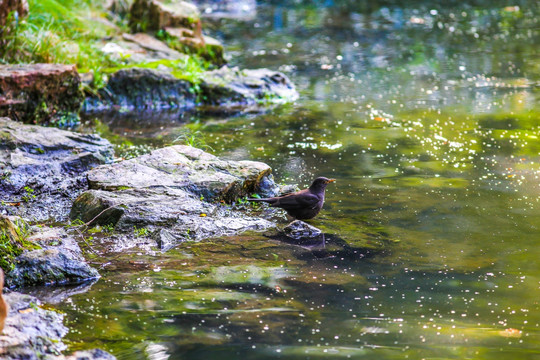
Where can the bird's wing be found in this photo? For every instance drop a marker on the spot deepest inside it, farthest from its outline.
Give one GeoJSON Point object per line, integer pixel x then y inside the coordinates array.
{"type": "Point", "coordinates": [294, 201]}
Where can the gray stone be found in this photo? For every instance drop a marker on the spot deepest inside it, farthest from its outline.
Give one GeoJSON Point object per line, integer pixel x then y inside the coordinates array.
{"type": "Point", "coordinates": [232, 87]}
{"type": "Point", "coordinates": [223, 90]}
{"type": "Point", "coordinates": [42, 169]}
{"type": "Point", "coordinates": [33, 333]}
{"type": "Point", "coordinates": [59, 261]}
{"type": "Point", "coordinates": [178, 188]}
{"type": "Point", "coordinates": [300, 230]}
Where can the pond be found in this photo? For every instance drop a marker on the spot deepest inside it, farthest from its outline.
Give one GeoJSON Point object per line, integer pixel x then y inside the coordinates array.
{"type": "Point", "coordinates": [427, 116]}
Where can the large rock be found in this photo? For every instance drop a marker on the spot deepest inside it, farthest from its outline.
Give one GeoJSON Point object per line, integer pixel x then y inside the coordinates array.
{"type": "Point", "coordinates": [42, 169]}
{"type": "Point", "coordinates": [8, 7]}
{"type": "Point", "coordinates": [225, 90]}
{"type": "Point", "coordinates": [138, 88]}
{"type": "Point", "coordinates": [58, 261]}
{"type": "Point", "coordinates": [37, 93]}
{"type": "Point", "coordinates": [154, 15]}
{"type": "Point", "coordinates": [174, 194]}
{"type": "Point", "coordinates": [232, 87]}
{"type": "Point", "coordinates": [34, 333]}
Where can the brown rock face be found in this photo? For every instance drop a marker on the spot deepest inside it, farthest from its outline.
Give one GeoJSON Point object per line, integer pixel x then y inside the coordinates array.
{"type": "Point", "coordinates": [38, 93]}
{"type": "Point", "coordinates": [193, 41]}
{"type": "Point", "coordinates": [9, 6]}
{"type": "Point", "coordinates": [153, 15]}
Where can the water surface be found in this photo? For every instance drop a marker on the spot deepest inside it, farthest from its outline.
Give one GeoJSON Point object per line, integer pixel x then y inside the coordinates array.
{"type": "Point", "coordinates": [427, 116]}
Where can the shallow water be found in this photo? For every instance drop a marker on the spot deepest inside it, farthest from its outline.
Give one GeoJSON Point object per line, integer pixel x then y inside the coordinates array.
{"type": "Point", "coordinates": [428, 118]}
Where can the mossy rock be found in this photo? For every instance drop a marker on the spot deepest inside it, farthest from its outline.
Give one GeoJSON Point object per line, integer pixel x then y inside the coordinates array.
{"type": "Point", "coordinates": [13, 234]}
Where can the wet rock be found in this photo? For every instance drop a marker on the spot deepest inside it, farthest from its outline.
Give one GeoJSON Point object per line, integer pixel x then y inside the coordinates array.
{"type": "Point", "coordinates": [30, 332]}
{"type": "Point", "coordinates": [299, 229]}
{"type": "Point", "coordinates": [40, 93]}
{"type": "Point", "coordinates": [232, 87]}
{"type": "Point", "coordinates": [11, 6]}
{"type": "Point", "coordinates": [138, 88]}
{"type": "Point", "coordinates": [35, 333]}
{"type": "Point", "coordinates": [153, 15]}
{"type": "Point", "coordinates": [225, 89]}
{"type": "Point", "coordinates": [42, 169]}
{"type": "Point", "coordinates": [59, 261]}
{"type": "Point", "coordinates": [178, 188]}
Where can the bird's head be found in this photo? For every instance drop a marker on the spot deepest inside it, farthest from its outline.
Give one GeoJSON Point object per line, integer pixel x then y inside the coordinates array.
{"type": "Point", "coordinates": [320, 183]}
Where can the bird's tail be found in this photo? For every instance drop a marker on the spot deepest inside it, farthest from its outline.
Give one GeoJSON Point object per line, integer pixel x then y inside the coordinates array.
{"type": "Point", "coordinates": [260, 200]}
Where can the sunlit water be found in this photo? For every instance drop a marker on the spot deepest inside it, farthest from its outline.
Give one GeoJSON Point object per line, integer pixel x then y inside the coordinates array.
{"type": "Point", "coordinates": [428, 118]}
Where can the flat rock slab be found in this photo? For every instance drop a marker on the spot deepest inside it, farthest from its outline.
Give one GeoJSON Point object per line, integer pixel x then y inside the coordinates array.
{"type": "Point", "coordinates": [174, 193]}
{"type": "Point", "coordinates": [40, 93]}
{"type": "Point", "coordinates": [35, 333]}
{"type": "Point", "coordinates": [42, 168]}
{"type": "Point", "coordinates": [150, 43]}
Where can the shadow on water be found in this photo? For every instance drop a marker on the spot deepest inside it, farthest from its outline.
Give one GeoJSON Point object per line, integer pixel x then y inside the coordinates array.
{"type": "Point", "coordinates": [427, 115]}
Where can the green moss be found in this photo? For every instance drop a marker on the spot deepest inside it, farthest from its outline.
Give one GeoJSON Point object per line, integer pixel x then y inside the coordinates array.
{"type": "Point", "coordinates": [13, 241]}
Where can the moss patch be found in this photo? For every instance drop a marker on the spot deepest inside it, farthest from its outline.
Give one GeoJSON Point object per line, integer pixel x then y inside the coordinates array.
{"type": "Point", "coordinates": [13, 241]}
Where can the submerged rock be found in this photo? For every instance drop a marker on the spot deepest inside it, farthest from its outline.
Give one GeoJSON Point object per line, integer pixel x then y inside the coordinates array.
{"type": "Point", "coordinates": [38, 93]}
{"type": "Point", "coordinates": [299, 229]}
{"type": "Point", "coordinates": [42, 169]}
{"type": "Point", "coordinates": [58, 261]}
{"type": "Point", "coordinates": [35, 333]}
{"type": "Point", "coordinates": [174, 194]}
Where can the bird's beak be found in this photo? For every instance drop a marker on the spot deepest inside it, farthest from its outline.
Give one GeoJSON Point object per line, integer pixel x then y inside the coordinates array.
{"type": "Point", "coordinates": [330, 181]}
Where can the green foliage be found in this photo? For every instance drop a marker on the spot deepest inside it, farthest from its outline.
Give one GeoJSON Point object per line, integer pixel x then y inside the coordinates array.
{"type": "Point", "coordinates": [29, 194]}
{"type": "Point", "coordinates": [13, 241]}
{"type": "Point", "coordinates": [140, 232]}
{"type": "Point", "coordinates": [192, 138]}
{"type": "Point", "coordinates": [60, 31]}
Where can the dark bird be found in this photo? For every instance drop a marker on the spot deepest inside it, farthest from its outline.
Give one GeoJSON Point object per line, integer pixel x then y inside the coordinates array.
{"type": "Point", "coordinates": [304, 204]}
